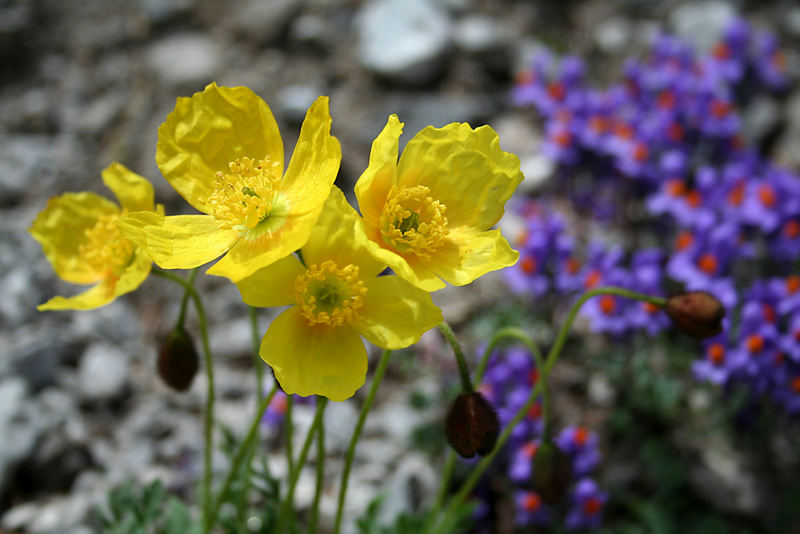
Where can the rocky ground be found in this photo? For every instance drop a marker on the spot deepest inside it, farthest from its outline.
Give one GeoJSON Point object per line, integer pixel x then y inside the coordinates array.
{"type": "Point", "coordinates": [86, 83]}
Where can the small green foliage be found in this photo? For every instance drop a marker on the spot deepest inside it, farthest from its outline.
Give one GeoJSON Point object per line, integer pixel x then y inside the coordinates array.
{"type": "Point", "coordinates": [407, 523]}
{"type": "Point", "coordinates": [143, 510]}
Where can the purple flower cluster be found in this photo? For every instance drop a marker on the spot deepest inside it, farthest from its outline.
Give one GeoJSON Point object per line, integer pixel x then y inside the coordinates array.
{"type": "Point", "coordinates": [509, 377]}
{"type": "Point", "coordinates": [667, 142]}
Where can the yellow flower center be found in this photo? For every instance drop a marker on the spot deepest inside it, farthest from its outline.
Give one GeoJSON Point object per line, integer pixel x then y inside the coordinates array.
{"type": "Point", "coordinates": [328, 294]}
{"type": "Point", "coordinates": [104, 249]}
{"type": "Point", "coordinates": [413, 222]}
{"type": "Point", "coordinates": [248, 194]}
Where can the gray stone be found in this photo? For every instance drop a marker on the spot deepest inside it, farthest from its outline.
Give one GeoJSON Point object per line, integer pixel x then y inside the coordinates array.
{"type": "Point", "coordinates": [613, 34]}
{"type": "Point", "coordinates": [102, 373]}
{"type": "Point", "coordinates": [760, 119]}
{"type": "Point", "coordinates": [477, 33]}
{"type": "Point", "coordinates": [21, 157]}
{"type": "Point", "coordinates": [18, 419]}
{"type": "Point", "coordinates": [295, 100]}
{"type": "Point", "coordinates": [404, 41]}
{"type": "Point", "coordinates": [264, 22]}
{"type": "Point", "coordinates": [98, 115]}
{"type": "Point", "coordinates": [187, 58]}
{"type": "Point", "coordinates": [309, 29]}
{"type": "Point", "coordinates": [702, 23]}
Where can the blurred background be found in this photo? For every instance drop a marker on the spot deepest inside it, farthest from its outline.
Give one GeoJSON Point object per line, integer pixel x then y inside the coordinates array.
{"type": "Point", "coordinates": [84, 83]}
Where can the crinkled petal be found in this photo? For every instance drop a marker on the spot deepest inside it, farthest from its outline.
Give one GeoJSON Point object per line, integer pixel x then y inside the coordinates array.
{"type": "Point", "coordinates": [373, 186]}
{"type": "Point", "coordinates": [94, 297]}
{"type": "Point", "coordinates": [409, 268]}
{"type": "Point", "coordinates": [272, 285]}
{"type": "Point", "coordinates": [179, 241]}
{"type": "Point", "coordinates": [465, 169]}
{"type": "Point", "coordinates": [318, 360]}
{"type": "Point", "coordinates": [209, 130]}
{"type": "Point", "coordinates": [266, 243]}
{"type": "Point", "coordinates": [134, 274]}
{"type": "Point", "coordinates": [134, 192]}
{"type": "Point", "coordinates": [395, 313]}
{"type": "Point", "coordinates": [60, 229]}
{"type": "Point", "coordinates": [315, 161]}
{"type": "Point", "coordinates": [339, 236]}
{"type": "Point", "coordinates": [467, 255]}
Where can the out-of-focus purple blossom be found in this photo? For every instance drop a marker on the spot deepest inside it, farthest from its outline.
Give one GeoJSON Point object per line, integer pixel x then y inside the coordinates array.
{"type": "Point", "coordinates": [587, 505]}
{"type": "Point", "coordinates": [531, 510]}
{"type": "Point", "coordinates": [582, 446]}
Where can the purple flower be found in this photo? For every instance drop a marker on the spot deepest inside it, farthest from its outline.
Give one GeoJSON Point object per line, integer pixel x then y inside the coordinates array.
{"type": "Point", "coordinates": [582, 446]}
{"type": "Point", "coordinates": [531, 509]}
{"type": "Point", "coordinates": [587, 505]}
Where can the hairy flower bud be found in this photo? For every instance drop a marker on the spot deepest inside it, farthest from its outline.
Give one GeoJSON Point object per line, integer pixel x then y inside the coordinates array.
{"type": "Point", "coordinates": [177, 360]}
{"type": "Point", "coordinates": [472, 425]}
{"type": "Point", "coordinates": [552, 472]}
{"type": "Point", "coordinates": [697, 313]}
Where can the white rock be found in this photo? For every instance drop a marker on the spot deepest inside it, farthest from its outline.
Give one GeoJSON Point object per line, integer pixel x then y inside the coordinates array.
{"type": "Point", "coordinates": [186, 58]}
{"type": "Point", "coordinates": [477, 33]}
{"type": "Point", "coordinates": [613, 34]}
{"type": "Point", "coordinates": [403, 40]}
{"type": "Point", "coordinates": [102, 373]}
{"type": "Point", "coordinates": [702, 23]}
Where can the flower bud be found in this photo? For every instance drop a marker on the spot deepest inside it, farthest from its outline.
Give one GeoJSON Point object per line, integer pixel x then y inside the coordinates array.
{"type": "Point", "coordinates": [697, 313]}
{"type": "Point", "coordinates": [552, 472]}
{"type": "Point", "coordinates": [177, 360]}
{"type": "Point", "coordinates": [472, 425]}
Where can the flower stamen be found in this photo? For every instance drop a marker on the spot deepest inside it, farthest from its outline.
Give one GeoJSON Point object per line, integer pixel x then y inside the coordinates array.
{"type": "Point", "coordinates": [104, 249]}
{"type": "Point", "coordinates": [413, 222]}
{"type": "Point", "coordinates": [328, 294]}
{"type": "Point", "coordinates": [247, 194]}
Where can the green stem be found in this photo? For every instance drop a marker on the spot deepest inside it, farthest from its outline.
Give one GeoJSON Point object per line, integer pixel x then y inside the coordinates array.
{"type": "Point", "coordinates": [258, 363]}
{"type": "Point", "coordinates": [185, 299]}
{"type": "Point", "coordinates": [463, 369]}
{"type": "Point", "coordinates": [241, 453]}
{"type": "Point", "coordinates": [209, 413]}
{"type": "Point", "coordinates": [294, 475]}
{"type": "Point", "coordinates": [312, 522]}
{"type": "Point", "coordinates": [552, 357]}
{"type": "Point", "coordinates": [288, 428]}
{"type": "Point", "coordinates": [351, 449]}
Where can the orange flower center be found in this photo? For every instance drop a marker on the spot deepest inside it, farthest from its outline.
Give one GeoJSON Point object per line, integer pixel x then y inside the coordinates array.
{"type": "Point", "coordinates": [592, 279]}
{"type": "Point", "coordinates": [412, 222]}
{"type": "Point", "coordinates": [796, 384]}
{"type": "Point", "coordinates": [531, 502]}
{"type": "Point", "coordinates": [641, 152]}
{"type": "Point", "coordinates": [104, 249]}
{"type": "Point", "coordinates": [528, 264]}
{"type": "Point", "coordinates": [676, 188]}
{"type": "Point", "coordinates": [755, 343]}
{"type": "Point", "coordinates": [248, 194]}
{"type": "Point", "coordinates": [581, 435]}
{"type": "Point", "coordinates": [573, 265]}
{"type": "Point", "coordinates": [684, 240]}
{"type": "Point", "coordinates": [736, 195]}
{"type": "Point", "coordinates": [766, 194]}
{"type": "Point", "coordinates": [793, 283]}
{"type": "Point", "coordinates": [592, 506]}
{"type": "Point", "coordinates": [791, 229]}
{"type": "Point", "coordinates": [328, 294]}
{"type": "Point", "coordinates": [694, 198]}
{"type": "Point", "coordinates": [708, 263]}
{"type": "Point", "coordinates": [608, 304]}
{"type": "Point", "coordinates": [535, 411]}
{"type": "Point", "coordinates": [716, 353]}
{"type": "Point", "coordinates": [529, 449]}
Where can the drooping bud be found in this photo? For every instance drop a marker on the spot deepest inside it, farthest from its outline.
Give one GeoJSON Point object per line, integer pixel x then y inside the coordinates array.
{"type": "Point", "coordinates": [552, 471]}
{"type": "Point", "coordinates": [697, 313]}
{"type": "Point", "coordinates": [177, 360]}
{"type": "Point", "coordinates": [472, 425]}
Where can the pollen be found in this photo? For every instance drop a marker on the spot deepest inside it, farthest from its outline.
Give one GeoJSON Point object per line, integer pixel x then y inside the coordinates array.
{"type": "Point", "coordinates": [755, 343]}
{"type": "Point", "coordinates": [708, 263]}
{"type": "Point", "coordinates": [716, 353]}
{"type": "Point", "coordinates": [676, 188]}
{"type": "Point", "coordinates": [328, 294]}
{"type": "Point", "coordinates": [413, 222]}
{"type": "Point", "coordinates": [531, 502]}
{"type": "Point", "coordinates": [608, 304]}
{"type": "Point", "coordinates": [104, 249]}
{"type": "Point", "coordinates": [766, 194]}
{"type": "Point", "coordinates": [247, 194]}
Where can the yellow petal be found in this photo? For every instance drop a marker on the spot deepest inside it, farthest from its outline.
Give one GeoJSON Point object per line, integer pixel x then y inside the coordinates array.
{"type": "Point", "coordinates": [271, 240]}
{"type": "Point", "coordinates": [134, 192]}
{"type": "Point", "coordinates": [315, 161]}
{"type": "Point", "coordinates": [60, 229]}
{"type": "Point", "coordinates": [209, 130]}
{"type": "Point", "coordinates": [465, 169]}
{"type": "Point", "coordinates": [470, 255]}
{"type": "Point", "coordinates": [135, 274]}
{"type": "Point", "coordinates": [339, 236]}
{"type": "Point", "coordinates": [373, 186]}
{"type": "Point", "coordinates": [272, 285]}
{"type": "Point", "coordinates": [94, 297]}
{"type": "Point", "coordinates": [408, 268]}
{"type": "Point", "coordinates": [395, 314]}
{"type": "Point", "coordinates": [319, 360]}
{"type": "Point", "coordinates": [177, 242]}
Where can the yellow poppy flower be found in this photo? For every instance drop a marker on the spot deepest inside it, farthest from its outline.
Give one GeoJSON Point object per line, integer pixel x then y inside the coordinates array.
{"type": "Point", "coordinates": [315, 346]}
{"type": "Point", "coordinates": [79, 237]}
{"type": "Point", "coordinates": [429, 216]}
{"type": "Point", "coordinates": [221, 150]}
